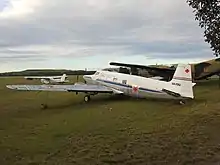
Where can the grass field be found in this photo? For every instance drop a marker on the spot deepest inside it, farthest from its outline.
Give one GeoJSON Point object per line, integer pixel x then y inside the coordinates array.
{"type": "Point", "coordinates": [108, 130]}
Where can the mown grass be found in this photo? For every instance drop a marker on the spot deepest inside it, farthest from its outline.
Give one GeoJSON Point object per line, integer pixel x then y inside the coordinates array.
{"type": "Point", "coordinates": [108, 130]}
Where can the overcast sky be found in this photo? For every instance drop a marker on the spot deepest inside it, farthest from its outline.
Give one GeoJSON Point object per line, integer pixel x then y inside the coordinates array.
{"type": "Point", "coordinates": [78, 34]}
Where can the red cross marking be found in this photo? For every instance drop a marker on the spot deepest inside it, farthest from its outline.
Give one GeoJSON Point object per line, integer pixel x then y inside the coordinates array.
{"type": "Point", "coordinates": [187, 70]}
{"type": "Point", "coordinates": [135, 88]}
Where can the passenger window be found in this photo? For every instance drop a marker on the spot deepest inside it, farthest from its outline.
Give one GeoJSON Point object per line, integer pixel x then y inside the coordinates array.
{"type": "Point", "coordinates": [124, 81]}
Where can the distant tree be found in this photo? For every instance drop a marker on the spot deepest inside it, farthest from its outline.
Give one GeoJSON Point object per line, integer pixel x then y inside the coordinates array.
{"type": "Point", "coordinates": [207, 12]}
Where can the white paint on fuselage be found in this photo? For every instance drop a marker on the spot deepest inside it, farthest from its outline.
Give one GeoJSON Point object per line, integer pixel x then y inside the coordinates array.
{"type": "Point", "coordinates": [147, 87]}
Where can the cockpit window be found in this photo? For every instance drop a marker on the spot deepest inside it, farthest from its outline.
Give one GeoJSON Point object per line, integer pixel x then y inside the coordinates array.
{"type": "Point", "coordinates": [96, 73]}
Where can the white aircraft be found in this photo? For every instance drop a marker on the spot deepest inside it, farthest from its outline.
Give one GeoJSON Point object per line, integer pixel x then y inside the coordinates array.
{"type": "Point", "coordinates": [50, 79]}
{"type": "Point", "coordinates": [179, 88]}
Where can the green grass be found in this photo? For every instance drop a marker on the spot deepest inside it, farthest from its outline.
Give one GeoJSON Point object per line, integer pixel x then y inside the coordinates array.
{"type": "Point", "coordinates": [108, 130]}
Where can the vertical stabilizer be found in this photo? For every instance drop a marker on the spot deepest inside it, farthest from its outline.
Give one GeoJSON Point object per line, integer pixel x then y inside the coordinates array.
{"type": "Point", "coordinates": [182, 81]}
{"type": "Point", "coordinates": [63, 78]}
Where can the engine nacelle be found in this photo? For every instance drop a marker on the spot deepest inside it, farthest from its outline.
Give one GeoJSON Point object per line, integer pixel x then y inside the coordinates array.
{"type": "Point", "coordinates": [45, 81]}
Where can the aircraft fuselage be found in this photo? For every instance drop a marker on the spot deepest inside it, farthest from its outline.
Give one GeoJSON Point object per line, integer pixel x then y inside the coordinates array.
{"type": "Point", "coordinates": [131, 85]}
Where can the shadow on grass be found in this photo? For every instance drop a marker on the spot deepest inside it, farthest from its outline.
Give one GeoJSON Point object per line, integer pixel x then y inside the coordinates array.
{"type": "Point", "coordinates": [108, 99]}
{"type": "Point", "coordinates": [96, 100]}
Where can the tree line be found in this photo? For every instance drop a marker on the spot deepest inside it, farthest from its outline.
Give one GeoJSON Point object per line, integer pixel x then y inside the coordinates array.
{"type": "Point", "coordinates": [49, 72]}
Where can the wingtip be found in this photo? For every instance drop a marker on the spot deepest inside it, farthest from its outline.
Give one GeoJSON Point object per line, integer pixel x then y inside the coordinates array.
{"type": "Point", "coordinates": [9, 86]}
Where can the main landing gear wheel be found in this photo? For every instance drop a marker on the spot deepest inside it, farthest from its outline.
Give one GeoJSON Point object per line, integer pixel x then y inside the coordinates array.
{"type": "Point", "coordinates": [182, 102]}
{"type": "Point", "coordinates": [87, 98]}
{"type": "Point", "coordinates": [44, 106]}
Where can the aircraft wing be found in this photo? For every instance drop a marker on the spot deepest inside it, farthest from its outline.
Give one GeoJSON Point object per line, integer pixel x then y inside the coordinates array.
{"type": "Point", "coordinates": [153, 70]}
{"type": "Point", "coordinates": [37, 77]}
{"type": "Point", "coordinates": [171, 70]}
{"type": "Point", "coordinates": [63, 88]}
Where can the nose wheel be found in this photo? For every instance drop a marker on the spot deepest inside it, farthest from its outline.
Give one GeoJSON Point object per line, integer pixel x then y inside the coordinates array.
{"type": "Point", "coordinates": [87, 98]}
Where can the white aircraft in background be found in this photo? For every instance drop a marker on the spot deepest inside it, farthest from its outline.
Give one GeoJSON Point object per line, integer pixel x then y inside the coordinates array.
{"type": "Point", "coordinates": [179, 88]}
{"type": "Point", "coordinates": [50, 79]}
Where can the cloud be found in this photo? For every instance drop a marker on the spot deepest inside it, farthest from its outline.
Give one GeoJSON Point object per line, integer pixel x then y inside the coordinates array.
{"type": "Point", "coordinates": [40, 29]}
{"type": "Point", "coordinates": [18, 8]}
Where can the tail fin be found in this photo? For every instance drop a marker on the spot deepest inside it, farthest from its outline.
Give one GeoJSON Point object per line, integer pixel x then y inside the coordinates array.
{"type": "Point", "coordinates": [63, 78]}
{"type": "Point", "coordinates": [182, 81]}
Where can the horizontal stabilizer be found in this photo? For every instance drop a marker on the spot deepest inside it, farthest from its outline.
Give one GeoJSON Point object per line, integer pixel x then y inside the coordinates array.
{"type": "Point", "coordinates": [171, 93]}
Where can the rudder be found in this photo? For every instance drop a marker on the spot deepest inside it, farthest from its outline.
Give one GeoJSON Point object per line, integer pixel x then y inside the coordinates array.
{"type": "Point", "coordinates": [181, 82]}
{"type": "Point", "coordinates": [63, 78]}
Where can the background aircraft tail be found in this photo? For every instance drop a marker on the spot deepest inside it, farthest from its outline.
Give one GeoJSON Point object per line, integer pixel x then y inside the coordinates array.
{"type": "Point", "coordinates": [181, 83]}
{"type": "Point", "coordinates": [63, 78]}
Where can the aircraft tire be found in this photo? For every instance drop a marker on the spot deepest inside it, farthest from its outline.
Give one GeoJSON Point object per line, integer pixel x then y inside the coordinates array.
{"type": "Point", "coordinates": [182, 102]}
{"type": "Point", "coordinates": [44, 106]}
{"type": "Point", "coordinates": [87, 98]}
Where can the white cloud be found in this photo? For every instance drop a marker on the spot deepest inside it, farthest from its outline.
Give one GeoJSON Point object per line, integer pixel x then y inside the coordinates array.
{"type": "Point", "coordinates": [19, 8]}
{"type": "Point", "coordinates": [45, 29]}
